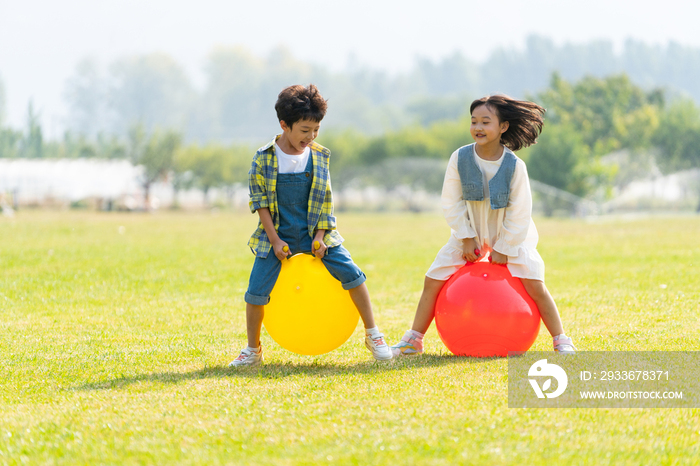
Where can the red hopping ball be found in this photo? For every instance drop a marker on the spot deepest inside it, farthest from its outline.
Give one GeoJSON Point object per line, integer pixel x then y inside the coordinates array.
{"type": "Point", "coordinates": [482, 311]}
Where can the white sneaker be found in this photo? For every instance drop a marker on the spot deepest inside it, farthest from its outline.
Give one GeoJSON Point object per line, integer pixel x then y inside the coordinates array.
{"type": "Point", "coordinates": [563, 344]}
{"type": "Point", "coordinates": [248, 358]}
{"type": "Point", "coordinates": [376, 344]}
{"type": "Point", "coordinates": [408, 346]}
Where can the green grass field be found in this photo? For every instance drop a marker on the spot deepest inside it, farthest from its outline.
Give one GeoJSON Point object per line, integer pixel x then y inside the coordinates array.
{"type": "Point", "coordinates": [116, 330]}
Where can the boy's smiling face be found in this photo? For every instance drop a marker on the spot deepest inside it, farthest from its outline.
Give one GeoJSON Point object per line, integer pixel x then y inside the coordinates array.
{"type": "Point", "coordinates": [296, 139]}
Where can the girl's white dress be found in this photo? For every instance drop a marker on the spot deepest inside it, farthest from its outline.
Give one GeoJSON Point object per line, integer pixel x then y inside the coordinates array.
{"type": "Point", "coordinates": [509, 231]}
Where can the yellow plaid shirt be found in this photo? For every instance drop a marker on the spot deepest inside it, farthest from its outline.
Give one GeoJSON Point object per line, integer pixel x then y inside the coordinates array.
{"type": "Point", "coordinates": [262, 185]}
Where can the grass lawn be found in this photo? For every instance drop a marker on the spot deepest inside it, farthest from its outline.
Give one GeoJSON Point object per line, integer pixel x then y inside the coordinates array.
{"type": "Point", "coordinates": [116, 330]}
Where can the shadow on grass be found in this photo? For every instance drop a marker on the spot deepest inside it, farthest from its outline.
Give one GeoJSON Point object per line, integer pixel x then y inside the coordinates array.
{"type": "Point", "coordinates": [282, 370]}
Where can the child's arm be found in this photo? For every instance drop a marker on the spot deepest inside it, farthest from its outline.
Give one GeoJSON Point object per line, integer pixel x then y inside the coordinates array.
{"type": "Point", "coordinates": [277, 244]}
{"type": "Point", "coordinates": [469, 250]}
{"type": "Point", "coordinates": [259, 203]}
{"type": "Point", "coordinates": [454, 208]}
{"type": "Point", "coordinates": [326, 221]}
{"type": "Point", "coordinates": [256, 186]}
{"type": "Point", "coordinates": [319, 251]}
{"type": "Point", "coordinates": [517, 218]}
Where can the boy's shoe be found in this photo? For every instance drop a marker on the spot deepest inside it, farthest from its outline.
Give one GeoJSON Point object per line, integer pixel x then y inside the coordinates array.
{"type": "Point", "coordinates": [376, 344]}
{"type": "Point", "coordinates": [408, 346]}
{"type": "Point", "coordinates": [563, 345]}
{"type": "Point", "coordinates": [248, 358]}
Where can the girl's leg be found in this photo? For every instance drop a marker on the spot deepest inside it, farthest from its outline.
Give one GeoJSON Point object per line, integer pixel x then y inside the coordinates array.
{"type": "Point", "coordinates": [412, 341]}
{"type": "Point", "coordinates": [545, 303]}
{"type": "Point", "coordinates": [425, 311]}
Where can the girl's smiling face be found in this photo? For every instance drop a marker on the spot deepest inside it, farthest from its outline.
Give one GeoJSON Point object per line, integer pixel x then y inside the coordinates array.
{"type": "Point", "coordinates": [485, 128]}
{"type": "Point", "coordinates": [297, 138]}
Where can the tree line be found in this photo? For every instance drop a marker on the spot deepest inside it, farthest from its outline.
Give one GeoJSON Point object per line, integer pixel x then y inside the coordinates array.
{"type": "Point", "coordinates": [599, 133]}
{"type": "Point", "coordinates": [586, 121]}
{"type": "Point", "coordinates": [234, 100]}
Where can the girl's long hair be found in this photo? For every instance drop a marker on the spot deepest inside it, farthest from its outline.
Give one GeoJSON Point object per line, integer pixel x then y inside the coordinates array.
{"type": "Point", "coordinates": [525, 119]}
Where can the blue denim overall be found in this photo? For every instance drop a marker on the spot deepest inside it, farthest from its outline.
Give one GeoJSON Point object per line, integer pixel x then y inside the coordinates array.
{"type": "Point", "coordinates": [292, 200]}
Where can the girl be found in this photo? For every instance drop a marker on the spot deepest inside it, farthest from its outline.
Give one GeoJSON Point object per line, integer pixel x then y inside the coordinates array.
{"type": "Point", "coordinates": [486, 201]}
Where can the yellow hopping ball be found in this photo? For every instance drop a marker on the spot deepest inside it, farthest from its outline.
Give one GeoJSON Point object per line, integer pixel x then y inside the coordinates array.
{"type": "Point", "coordinates": [309, 311]}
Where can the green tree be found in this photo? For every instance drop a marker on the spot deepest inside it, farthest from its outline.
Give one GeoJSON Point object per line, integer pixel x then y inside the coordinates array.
{"type": "Point", "coordinates": [211, 166]}
{"type": "Point", "coordinates": [678, 138]}
{"type": "Point", "coordinates": [212, 169]}
{"type": "Point", "coordinates": [155, 154]}
{"type": "Point", "coordinates": [76, 146]}
{"type": "Point", "coordinates": [609, 114]}
{"type": "Point", "coordinates": [206, 167]}
{"type": "Point", "coordinates": [586, 120]}
{"type": "Point", "coordinates": [560, 159]}
{"type": "Point", "coordinates": [182, 175]}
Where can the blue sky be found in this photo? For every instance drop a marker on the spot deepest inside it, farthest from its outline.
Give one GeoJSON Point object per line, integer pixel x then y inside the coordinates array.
{"type": "Point", "coordinates": [42, 40]}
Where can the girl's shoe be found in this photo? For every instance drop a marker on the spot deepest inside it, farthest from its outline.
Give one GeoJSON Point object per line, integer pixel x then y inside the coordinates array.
{"type": "Point", "coordinates": [408, 346]}
{"type": "Point", "coordinates": [563, 344]}
{"type": "Point", "coordinates": [248, 358]}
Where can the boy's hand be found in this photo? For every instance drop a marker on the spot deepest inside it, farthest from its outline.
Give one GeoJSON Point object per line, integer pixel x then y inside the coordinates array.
{"type": "Point", "coordinates": [281, 249]}
{"type": "Point", "coordinates": [470, 250]}
{"type": "Point", "coordinates": [319, 248]}
{"type": "Point", "coordinates": [498, 258]}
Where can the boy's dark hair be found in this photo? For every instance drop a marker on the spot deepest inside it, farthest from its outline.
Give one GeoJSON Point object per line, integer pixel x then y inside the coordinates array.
{"type": "Point", "coordinates": [297, 102]}
{"type": "Point", "coordinates": [525, 119]}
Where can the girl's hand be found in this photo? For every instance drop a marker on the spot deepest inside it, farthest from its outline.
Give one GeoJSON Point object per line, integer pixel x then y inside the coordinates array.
{"type": "Point", "coordinates": [470, 250]}
{"type": "Point", "coordinates": [319, 248]}
{"type": "Point", "coordinates": [281, 249]}
{"type": "Point", "coordinates": [498, 258]}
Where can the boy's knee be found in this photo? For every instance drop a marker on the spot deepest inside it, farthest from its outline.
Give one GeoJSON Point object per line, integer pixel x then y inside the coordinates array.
{"type": "Point", "coordinates": [256, 300]}
{"type": "Point", "coordinates": [355, 283]}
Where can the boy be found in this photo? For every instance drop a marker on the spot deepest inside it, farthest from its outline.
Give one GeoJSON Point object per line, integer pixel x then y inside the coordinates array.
{"type": "Point", "coordinates": [290, 189]}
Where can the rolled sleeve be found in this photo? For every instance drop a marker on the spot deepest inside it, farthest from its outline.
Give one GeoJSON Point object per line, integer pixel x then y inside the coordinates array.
{"type": "Point", "coordinates": [256, 188]}
{"type": "Point", "coordinates": [454, 208]}
{"type": "Point", "coordinates": [258, 202]}
{"type": "Point", "coordinates": [518, 214]}
{"type": "Point", "coordinates": [326, 221]}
